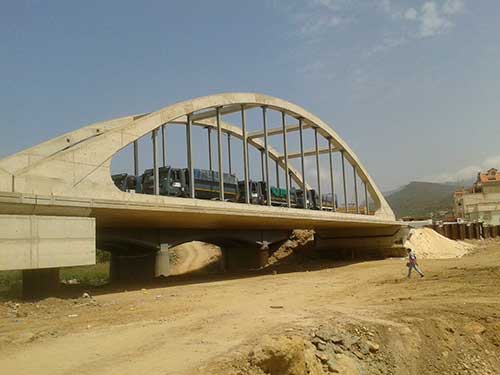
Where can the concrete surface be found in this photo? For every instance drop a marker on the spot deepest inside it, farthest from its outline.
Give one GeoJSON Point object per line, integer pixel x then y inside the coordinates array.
{"type": "Point", "coordinates": [32, 242]}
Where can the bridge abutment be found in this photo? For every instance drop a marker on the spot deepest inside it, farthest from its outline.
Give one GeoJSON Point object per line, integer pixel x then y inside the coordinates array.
{"type": "Point", "coordinates": [367, 242]}
{"type": "Point", "coordinates": [38, 245]}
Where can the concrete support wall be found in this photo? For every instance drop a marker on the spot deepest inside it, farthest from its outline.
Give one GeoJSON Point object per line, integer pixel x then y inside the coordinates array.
{"type": "Point", "coordinates": [31, 242]}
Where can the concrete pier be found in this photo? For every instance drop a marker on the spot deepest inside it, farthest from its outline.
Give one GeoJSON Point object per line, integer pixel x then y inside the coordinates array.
{"type": "Point", "coordinates": [162, 261]}
{"type": "Point", "coordinates": [40, 283]}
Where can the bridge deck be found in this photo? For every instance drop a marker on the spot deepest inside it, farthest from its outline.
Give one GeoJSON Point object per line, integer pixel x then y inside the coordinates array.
{"type": "Point", "coordinates": [149, 211]}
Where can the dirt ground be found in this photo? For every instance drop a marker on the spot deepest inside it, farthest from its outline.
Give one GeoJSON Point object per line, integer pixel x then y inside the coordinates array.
{"type": "Point", "coordinates": [316, 318]}
{"type": "Point", "coordinates": [193, 256]}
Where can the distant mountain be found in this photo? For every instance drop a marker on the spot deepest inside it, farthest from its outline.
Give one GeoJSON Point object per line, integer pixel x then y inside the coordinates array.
{"type": "Point", "coordinates": [389, 192]}
{"type": "Point", "coordinates": [420, 199]}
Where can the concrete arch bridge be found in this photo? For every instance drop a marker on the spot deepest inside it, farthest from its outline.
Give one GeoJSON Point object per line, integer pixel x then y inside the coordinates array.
{"type": "Point", "coordinates": [58, 199]}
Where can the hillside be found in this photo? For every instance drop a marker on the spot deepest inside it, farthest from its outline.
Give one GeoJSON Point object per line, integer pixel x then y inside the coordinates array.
{"type": "Point", "coordinates": [420, 199]}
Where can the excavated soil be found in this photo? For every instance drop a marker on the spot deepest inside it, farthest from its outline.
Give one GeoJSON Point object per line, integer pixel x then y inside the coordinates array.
{"type": "Point", "coordinates": [317, 318]}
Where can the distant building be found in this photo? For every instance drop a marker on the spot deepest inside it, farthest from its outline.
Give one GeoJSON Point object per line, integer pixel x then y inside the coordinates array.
{"type": "Point", "coordinates": [480, 202]}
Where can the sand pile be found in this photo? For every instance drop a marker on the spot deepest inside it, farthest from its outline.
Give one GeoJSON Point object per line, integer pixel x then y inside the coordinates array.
{"type": "Point", "coordinates": [429, 244]}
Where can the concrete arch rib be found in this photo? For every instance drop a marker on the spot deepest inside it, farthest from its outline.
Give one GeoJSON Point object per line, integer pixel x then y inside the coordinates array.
{"type": "Point", "coordinates": [30, 157]}
{"type": "Point", "coordinates": [82, 169]}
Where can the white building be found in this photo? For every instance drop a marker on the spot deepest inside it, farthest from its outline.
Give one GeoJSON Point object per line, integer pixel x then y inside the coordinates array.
{"type": "Point", "coordinates": [481, 202]}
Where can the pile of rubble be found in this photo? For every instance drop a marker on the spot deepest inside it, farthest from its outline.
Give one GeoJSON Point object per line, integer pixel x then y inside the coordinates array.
{"type": "Point", "coordinates": [328, 349]}
{"type": "Point", "coordinates": [348, 351]}
{"type": "Point", "coordinates": [299, 240]}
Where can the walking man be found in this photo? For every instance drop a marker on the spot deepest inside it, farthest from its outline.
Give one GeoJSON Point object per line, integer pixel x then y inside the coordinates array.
{"type": "Point", "coordinates": [412, 263]}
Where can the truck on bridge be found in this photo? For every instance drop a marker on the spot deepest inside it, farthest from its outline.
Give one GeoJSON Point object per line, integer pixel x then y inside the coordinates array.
{"type": "Point", "coordinates": [175, 182]}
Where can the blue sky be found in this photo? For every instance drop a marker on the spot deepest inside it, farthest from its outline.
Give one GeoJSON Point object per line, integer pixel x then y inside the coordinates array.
{"type": "Point", "coordinates": [412, 86]}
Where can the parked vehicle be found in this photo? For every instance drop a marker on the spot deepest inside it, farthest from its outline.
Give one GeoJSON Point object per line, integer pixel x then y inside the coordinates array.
{"type": "Point", "coordinates": [175, 182]}
{"type": "Point", "coordinates": [124, 182]}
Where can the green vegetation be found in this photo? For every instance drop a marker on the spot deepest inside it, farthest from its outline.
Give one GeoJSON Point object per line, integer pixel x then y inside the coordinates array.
{"type": "Point", "coordinates": [422, 199]}
{"type": "Point", "coordinates": [95, 275]}
{"type": "Point", "coordinates": [10, 280]}
{"type": "Point", "coordinates": [102, 256]}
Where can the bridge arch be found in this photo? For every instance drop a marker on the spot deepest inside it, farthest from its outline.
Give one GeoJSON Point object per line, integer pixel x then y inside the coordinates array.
{"type": "Point", "coordinates": [77, 164]}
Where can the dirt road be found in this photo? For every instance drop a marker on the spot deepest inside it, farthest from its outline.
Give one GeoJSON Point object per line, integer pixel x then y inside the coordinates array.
{"type": "Point", "coordinates": [451, 314]}
{"type": "Point", "coordinates": [193, 256]}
